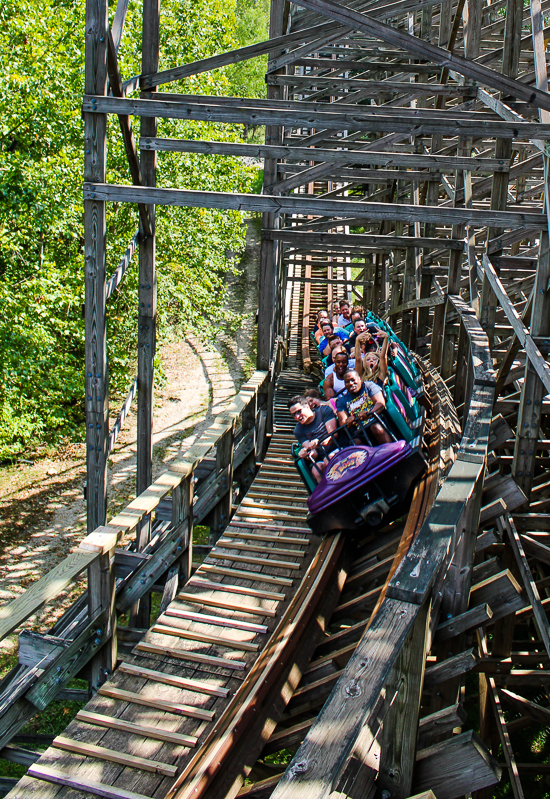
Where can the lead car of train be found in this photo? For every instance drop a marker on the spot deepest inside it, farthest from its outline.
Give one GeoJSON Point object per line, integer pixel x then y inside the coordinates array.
{"type": "Point", "coordinates": [367, 485]}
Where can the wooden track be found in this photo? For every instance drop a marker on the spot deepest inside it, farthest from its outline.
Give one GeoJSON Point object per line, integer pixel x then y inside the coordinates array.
{"type": "Point", "coordinates": [187, 669]}
{"type": "Point", "coordinates": [248, 620]}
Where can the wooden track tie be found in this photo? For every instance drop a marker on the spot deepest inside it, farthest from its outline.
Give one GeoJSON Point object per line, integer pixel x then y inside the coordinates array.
{"type": "Point", "coordinates": [189, 654]}
{"type": "Point", "coordinates": [157, 704]}
{"type": "Point", "coordinates": [192, 635]}
{"type": "Point", "coordinates": [171, 679]}
{"type": "Point", "coordinates": [220, 621]}
{"type": "Point", "coordinates": [234, 589]}
{"type": "Point", "coordinates": [113, 723]}
{"type": "Point", "coordinates": [90, 750]}
{"type": "Point", "coordinates": [253, 577]}
{"type": "Point", "coordinates": [197, 599]}
{"type": "Point", "coordinates": [57, 777]}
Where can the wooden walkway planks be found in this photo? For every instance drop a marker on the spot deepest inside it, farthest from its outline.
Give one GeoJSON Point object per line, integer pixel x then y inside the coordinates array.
{"type": "Point", "coordinates": [186, 666]}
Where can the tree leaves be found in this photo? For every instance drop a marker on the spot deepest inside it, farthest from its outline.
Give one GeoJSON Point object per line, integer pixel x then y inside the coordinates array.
{"type": "Point", "coordinates": [41, 208]}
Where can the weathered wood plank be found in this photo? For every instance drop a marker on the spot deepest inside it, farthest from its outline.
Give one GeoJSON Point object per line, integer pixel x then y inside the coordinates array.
{"type": "Point", "coordinates": [352, 700]}
{"type": "Point", "coordinates": [111, 722]}
{"type": "Point", "coordinates": [290, 154]}
{"type": "Point", "coordinates": [102, 753]}
{"type": "Point", "coordinates": [44, 590]}
{"type": "Point", "coordinates": [177, 708]}
{"type": "Point", "coordinates": [296, 204]}
{"type": "Point", "coordinates": [475, 617]}
{"type": "Point", "coordinates": [358, 120]}
{"type": "Point", "coordinates": [233, 56]}
{"type": "Point", "coordinates": [58, 777]}
{"type": "Point", "coordinates": [455, 767]}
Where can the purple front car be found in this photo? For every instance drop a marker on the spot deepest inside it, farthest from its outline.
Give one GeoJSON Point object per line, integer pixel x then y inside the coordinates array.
{"type": "Point", "coordinates": [350, 495]}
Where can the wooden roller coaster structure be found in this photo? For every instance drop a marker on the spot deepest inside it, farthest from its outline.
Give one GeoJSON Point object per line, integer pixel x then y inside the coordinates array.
{"type": "Point", "coordinates": [406, 170]}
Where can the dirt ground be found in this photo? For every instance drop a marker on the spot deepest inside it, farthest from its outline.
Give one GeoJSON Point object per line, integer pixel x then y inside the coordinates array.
{"type": "Point", "coordinates": [42, 509]}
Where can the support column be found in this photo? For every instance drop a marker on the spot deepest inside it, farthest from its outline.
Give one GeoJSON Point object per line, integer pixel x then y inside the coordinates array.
{"type": "Point", "coordinates": [269, 253]}
{"type": "Point", "coordinates": [101, 597]}
{"type": "Point", "coordinates": [147, 318]}
{"type": "Point", "coordinates": [530, 410]}
{"type": "Point", "coordinates": [96, 376]}
{"type": "Point", "coordinates": [503, 151]}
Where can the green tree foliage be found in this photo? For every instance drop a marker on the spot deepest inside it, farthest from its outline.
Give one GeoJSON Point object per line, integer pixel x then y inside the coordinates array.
{"type": "Point", "coordinates": [248, 78]}
{"type": "Point", "coordinates": [41, 208]}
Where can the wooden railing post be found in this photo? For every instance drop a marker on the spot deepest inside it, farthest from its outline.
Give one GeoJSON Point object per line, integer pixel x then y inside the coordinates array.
{"type": "Point", "coordinates": [221, 514]}
{"type": "Point", "coordinates": [400, 726]}
{"type": "Point", "coordinates": [247, 469]}
{"type": "Point", "coordinates": [101, 596]}
{"type": "Point", "coordinates": [182, 520]}
{"type": "Point", "coordinates": [462, 361]}
{"type": "Point", "coordinates": [436, 348]}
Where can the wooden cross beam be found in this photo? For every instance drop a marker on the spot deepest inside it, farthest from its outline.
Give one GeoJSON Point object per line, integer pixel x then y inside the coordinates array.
{"type": "Point", "coordinates": [411, 121]}
{"type": "Point", "coordinates": [351, 156]}
{"type": "Point", "coordinates": [304, 204]}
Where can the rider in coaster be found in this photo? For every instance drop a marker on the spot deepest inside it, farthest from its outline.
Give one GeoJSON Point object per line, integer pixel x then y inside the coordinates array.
{"type": "Point", "coordinates": [313, 431]}
{"type": "Point", "coordinates": [315, 399]}
{"type": "Point", "coordinates": [344, 317]}
{"type": "Point", "coordinates": [321, 317]}
{"type": "Point", "coordinates": [360, 326]}
{"type": "Point", "coordinates": [358, 402]}
{"type": "Point", "coordinates": [372, 366]}
{"type": "Point", "coordinates": [334, 379]}
{"type": "Point", "coordinates": [327, 331]}
{"type": "Point", "coordinates": [336, 346]}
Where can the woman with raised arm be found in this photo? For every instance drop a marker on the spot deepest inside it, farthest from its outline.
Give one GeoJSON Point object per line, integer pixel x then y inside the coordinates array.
{"type": "Point", "coordinates": [372, 366]}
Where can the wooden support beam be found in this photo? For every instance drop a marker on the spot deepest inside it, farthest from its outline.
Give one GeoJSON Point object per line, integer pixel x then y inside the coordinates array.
{"type": "Point", "coordinates": [369, 118]}
{"type": "Point", "coordinates": [118, 22]}
{"type": "Point", "coordinates": [530, 417]}
{"type": "Point", "coordinates": [147, 314]}
{"type": "Point", "coordinates": [375, 87]}
{"type": "Point", "coordinates": [117, 276]}
{"type": "Point", "coordinates": [122, 414]}
{"type": "Point", "coordinates": [442, 721]}
{"type": "Point", "coordinates": [540, 366]}
{"type": "Point", "coordinates": [302, 204]}
{"type": "Point", "coordinates": [170, 550]}
{"type": "Point", "coordinates": [352, 701]}
{"type": "Point", "coordinates": [455, 767]}
{"type": "Point", "coordinates": [97, 378]}
{"type": "Point", "coordinates": [399, 733]}
{"type": "Point", "coordinates": [101, 599]}
{"type": "Point", "coordinates": [507, 527]}
{"type": "Point", "coordinates": [386, 243]}
{"type": "Point", "coordinates": [350, 156]}
{"type": "Point", "coordinates": [126, 129]}
{"type": "Point", "coordinates": [270, 251]}
{"type": "Point", "coordinates": [275, 43]}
